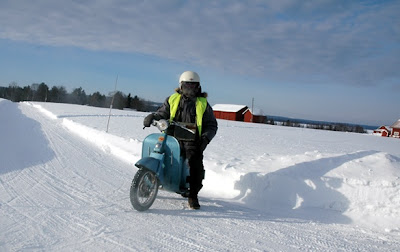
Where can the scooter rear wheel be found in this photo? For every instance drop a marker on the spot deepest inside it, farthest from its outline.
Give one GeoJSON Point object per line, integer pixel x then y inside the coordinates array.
{"type": "Point", "coordinates": [144, 189]}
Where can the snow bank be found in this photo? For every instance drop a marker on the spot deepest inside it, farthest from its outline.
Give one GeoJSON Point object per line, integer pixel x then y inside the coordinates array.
{"type": "Point", "coordinates": [371, 184]}
{"type": "Point", "coordinates": [17, 140]}
{"type": "Point", "coordinates": [363, 186]}
{"type": "Point", "coordinates": [128, 150]}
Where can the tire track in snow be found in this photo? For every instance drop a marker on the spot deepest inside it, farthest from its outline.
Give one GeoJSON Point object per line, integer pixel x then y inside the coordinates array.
{"type": "Point", "coordinates": [49, 200]}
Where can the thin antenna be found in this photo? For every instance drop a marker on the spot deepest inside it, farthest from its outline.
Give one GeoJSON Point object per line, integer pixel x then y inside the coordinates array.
{"type": "Point", "coordinates": [112, 101]}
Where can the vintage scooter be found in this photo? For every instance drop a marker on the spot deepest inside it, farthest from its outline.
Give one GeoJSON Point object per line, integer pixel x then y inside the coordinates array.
{"type": "Point", "coordinates": [161, 165]}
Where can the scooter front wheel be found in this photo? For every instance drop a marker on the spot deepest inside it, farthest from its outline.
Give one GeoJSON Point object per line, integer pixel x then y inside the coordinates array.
{"type": "Point", "coordinates": [144, 189]}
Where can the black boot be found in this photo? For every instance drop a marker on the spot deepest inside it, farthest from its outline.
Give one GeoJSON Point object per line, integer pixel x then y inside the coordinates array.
{"type": "Point", "coordinates": [194, 203]}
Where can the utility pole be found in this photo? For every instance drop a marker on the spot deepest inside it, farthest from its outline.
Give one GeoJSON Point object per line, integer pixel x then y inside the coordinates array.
{"type": "Point", "coordinates": [112, 101]}
{"type": "Point", "coordinates": [252, 108]}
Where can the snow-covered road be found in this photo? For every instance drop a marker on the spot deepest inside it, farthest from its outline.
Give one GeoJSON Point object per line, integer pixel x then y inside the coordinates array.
{"type": "Point", "coordinates": [61, 192]}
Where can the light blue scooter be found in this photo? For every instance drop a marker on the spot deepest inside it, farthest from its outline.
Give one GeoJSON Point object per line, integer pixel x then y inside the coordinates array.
{"type": "Point", "coordinates": [161, 165]}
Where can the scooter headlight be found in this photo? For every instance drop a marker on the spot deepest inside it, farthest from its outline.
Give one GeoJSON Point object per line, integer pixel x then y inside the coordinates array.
{"type": "Point", "coordinates": [162, 124]}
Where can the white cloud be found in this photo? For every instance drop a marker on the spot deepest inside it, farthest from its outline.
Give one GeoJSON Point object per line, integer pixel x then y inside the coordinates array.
{"type": "Point", "coordinates": [329, 41]}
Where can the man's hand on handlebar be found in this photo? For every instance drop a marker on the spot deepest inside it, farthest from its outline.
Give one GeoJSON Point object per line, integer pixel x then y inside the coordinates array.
{"type": "Point", "coordinates": [148, 120]}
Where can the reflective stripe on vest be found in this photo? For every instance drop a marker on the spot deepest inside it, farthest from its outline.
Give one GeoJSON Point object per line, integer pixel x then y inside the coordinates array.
{"type": "Point", "coordinates": [201, 105]}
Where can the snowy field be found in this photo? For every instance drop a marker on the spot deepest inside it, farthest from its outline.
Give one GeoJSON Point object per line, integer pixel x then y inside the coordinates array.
{"type": "Point", "coordinates": [64, 186]}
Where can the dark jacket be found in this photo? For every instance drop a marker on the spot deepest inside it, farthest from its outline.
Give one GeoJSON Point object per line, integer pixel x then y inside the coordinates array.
{"type": "Point", "coordinates": [187, 113]}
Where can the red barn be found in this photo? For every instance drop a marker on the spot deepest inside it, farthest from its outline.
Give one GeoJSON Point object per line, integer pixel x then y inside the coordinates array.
{"type": "Point", "coordinates": [229, 111]}
{"type": "Point", "coordinates": [255, 116]}
{"type": "Point", "coordinates": [382, 131]}
{"type": "Point", "coordinates": [396, 129]}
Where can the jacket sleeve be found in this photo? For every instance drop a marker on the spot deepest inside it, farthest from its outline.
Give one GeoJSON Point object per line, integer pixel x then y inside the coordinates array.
{"type": "Point", "coordinates": [210, 125]}
{"type": "Point", "coordinates": [163, 111]}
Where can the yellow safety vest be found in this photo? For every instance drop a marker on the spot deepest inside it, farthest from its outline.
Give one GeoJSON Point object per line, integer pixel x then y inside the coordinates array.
{"type": "Point", "coordinates": [201, 105]}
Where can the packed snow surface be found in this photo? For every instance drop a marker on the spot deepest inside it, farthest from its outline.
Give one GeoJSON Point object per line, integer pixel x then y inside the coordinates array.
{"type": "Point", "coordinates": [64, 186]}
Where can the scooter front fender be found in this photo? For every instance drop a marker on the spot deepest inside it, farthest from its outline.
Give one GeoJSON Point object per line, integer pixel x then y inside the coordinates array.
{"type": "Point", "coordinates": [149, 163]}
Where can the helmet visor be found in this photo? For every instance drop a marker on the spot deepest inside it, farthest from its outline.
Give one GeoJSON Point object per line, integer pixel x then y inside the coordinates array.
{"type": "Point", "coordinates": [190, 84]}
{"type": "Point", "coordinates": [190, 89]}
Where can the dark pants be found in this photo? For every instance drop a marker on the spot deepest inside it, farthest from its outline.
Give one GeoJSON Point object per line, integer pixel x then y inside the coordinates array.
{"type": "Point", "coordinates": [195, 160]}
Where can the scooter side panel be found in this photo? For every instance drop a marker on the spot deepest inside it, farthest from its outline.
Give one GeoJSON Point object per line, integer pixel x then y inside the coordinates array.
{"type": "Point", "coordinates": [173, 164]}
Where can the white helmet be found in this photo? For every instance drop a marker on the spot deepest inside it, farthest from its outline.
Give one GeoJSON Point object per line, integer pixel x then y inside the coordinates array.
{"type": "Point", "coordinates": [189, 76]}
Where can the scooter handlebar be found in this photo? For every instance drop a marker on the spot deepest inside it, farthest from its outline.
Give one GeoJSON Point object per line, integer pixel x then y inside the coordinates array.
{"type": "Point", "coordinates": [163, 124]}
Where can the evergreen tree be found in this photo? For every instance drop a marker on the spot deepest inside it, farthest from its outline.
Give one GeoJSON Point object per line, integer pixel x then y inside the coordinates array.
{"type": "Point", "coordinates": [97, 100]}
{"type": "Point", "coordinates": [26, 93]}
{"type": "Point", "coordinates": [42, 92]}
{"type": "Point", "coordinates": [136, 103]}
{"type": "Point", "coordinates": [78, 96]}
{"type": "Point", "coordinates": [119, 100]}
{"type": "Point", "coordinates": [57, 94]}
{"type": "Point", "coordinates": [128, 101]}
{"type": "Point", "coordinates": [14, 92]}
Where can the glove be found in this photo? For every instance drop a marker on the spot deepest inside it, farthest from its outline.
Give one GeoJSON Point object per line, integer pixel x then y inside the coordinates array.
{"type": "Point", "coordinates": [148, 120]}
{"type": "Point", "coordinates": [203, 144]}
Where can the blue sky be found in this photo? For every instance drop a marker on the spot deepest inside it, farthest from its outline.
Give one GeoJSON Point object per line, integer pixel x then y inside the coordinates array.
{"type": "Point", "coordinates": [321, 60]}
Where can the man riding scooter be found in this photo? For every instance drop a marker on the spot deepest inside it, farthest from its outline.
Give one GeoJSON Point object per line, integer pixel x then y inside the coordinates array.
{"type": "Point", "coordinates": [188, 105]}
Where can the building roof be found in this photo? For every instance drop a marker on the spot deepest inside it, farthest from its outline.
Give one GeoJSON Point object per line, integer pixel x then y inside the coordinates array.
{"type": "Point", "coordinates": [383, 126]}
{"type": "Point", "coordinates": [228, 107]}
{"type": "Point", "coordinates": [381, 130]}
{"type": "Point", "coordinates": [255, 111]}
{"type": "Point", "coordinates": [396, 125]}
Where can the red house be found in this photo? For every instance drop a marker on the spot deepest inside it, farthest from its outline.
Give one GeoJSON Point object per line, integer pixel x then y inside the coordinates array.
{"type": "Point", "coordinates": [396, 129]}
{"type": "Point", "coordinates": [255, 116]}
{"type": "Point", "coordinates": [382, 131]}
{"type": "Point", "coordinates": [229, 112]}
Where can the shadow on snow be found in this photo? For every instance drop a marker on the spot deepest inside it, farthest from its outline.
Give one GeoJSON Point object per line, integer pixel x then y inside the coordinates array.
{"type": "Point", "coordinates": [300, 190]}
{"type": "Point", "coordinates": [23, 142]}
{"type": "Point", "coordinates": [299, 193]}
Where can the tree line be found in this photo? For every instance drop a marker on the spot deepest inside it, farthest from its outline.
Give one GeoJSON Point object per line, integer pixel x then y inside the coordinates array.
{"type": "Point", "coordinates": [41, 92]}
{"type": "Point", "coordinates": [325, 126]}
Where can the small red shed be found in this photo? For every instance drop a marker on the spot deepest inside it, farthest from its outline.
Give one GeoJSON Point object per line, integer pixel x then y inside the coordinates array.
{"type": "Point", "coordinates": [255, 116]}
{"type": "Point", "coordinates": [229, 111]}
{"type": "Point", "coordinates": [382, 131]}
{"type": "Point", "coordinates": [396, 129]}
